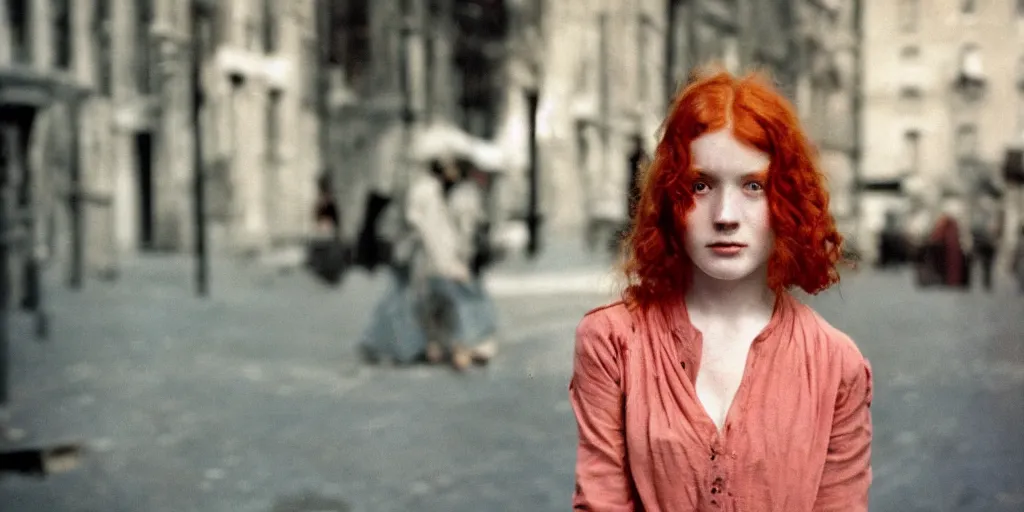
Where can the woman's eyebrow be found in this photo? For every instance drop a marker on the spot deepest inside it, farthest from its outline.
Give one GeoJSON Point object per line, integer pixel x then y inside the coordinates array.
{"type": "Point", "coordinates": [711, 176]}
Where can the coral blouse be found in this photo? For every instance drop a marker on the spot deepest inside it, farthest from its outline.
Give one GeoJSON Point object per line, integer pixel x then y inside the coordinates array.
{"type": "Point", "coordinates": [797, 436]}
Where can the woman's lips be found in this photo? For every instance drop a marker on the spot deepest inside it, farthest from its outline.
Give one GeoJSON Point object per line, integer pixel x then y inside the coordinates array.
{"type": "Point", "coordinates": [726, 249]}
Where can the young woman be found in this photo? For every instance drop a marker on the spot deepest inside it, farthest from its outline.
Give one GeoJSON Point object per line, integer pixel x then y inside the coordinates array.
{"type": "Point", "coordinates": [709, 386]}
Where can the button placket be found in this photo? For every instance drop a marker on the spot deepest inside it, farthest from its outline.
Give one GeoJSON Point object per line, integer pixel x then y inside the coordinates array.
{"type": "Point", "coordinates": [716, 486]}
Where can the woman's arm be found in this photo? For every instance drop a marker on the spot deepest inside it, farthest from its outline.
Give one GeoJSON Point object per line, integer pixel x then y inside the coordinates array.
{"type": "Point", "coordinates": [603, 483]}
{"type": "Point", "coordinates": [847, 475]}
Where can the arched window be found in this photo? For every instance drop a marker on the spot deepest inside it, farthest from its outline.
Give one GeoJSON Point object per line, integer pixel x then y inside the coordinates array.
{"type": "Point", "coordinates": [350, 40]}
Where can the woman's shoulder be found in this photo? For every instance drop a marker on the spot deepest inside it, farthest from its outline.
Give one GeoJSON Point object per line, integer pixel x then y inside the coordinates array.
{"type": "Point", "coordinates": [600, 337]}
{"type": "Point", "coordinates": [826, 339]}
{"type": "Point", "coordinates": [605, 319]}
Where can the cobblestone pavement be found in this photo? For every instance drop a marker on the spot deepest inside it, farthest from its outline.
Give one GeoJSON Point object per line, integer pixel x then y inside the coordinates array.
{"type": "Point", "coordinates": [252, 400]}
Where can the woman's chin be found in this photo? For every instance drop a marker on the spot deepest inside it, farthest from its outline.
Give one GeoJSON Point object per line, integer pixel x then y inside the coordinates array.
{"type": "Point", "coordinates": [729, 271]}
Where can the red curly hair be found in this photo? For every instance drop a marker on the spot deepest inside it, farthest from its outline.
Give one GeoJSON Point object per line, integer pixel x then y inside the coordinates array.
{"type": "Point", "coordinates": [807, 244]}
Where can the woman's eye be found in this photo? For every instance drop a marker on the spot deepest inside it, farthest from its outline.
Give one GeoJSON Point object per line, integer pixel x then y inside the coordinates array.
{"type": "Point", "coordinates": [700, 187]}
{"type": "Point", "coordinates": [755, 186]}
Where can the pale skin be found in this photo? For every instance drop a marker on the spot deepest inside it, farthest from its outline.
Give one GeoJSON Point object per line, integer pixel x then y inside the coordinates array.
{"type": "Point", "coordinates": [729, 300]}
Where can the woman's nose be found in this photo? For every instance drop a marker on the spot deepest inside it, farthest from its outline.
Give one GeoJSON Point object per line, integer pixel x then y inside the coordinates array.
{"type": "Point", "coordinates": [726, 211]}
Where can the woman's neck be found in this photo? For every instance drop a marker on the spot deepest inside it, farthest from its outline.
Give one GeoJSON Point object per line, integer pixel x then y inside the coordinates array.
{"type": "Point", "coordinates": [709, 297]}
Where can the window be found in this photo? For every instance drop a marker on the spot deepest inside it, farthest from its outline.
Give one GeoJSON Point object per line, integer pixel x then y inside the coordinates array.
{"type": "Point", "coordinates": [910, 52]}
{"type": "Point", "coordinates": [968, 6]}
{"type": "Point", "coordinates": [61, 11]}
{"type": "Point", "coordinates": [911, 150]}
{"type": "Point", "coordinates": [731, 53]}
{"type": "Point", "coordinates": [707, 42]}
{"type": "Point", "coordinates": [1020, 74]}
{"type": "Point", "coordinates": [270, 26]}
{"type": "Point", "coordinates": [102, 31]}
{"type": "Point", "coordinates": [21, 42]}
{"type": "Point", "coordinates": [910, 93]}
{"type": "Point", "coordinates": [311, 72]}
{"type": "Point", "coordinates": [1020, 8]}
{"type": "Point", "coordinates": [679, 39]}
{"type": "Point", "coordinates": [273, 128]}
{"type": "Point", "coordinates": [350, 40]}
{"type": "Point", "coordinates": [478, 98]}
{"type": "Point", "coordinates": [909, 14]}
{"type": "Point", "coordinates": [643, 26]}
{"type": "Point", "coordinates": [253, 31]}
{"type": "Point", "coordinates": [224, 31]}
{"type": "Point", "coordinates": [966, 141]}
{"type": "Point", "coordinates": [143, 49]}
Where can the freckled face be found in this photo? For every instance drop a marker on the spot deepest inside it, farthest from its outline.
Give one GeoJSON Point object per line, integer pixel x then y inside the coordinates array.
{"type": "Point", "coordinates": [728, 233]}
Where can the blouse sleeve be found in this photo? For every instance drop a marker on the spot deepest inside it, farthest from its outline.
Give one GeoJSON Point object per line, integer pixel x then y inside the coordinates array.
{"type": "Point", "coordinates": [847, 475]}
{"type": "Point", "coordinates": [603, 483]}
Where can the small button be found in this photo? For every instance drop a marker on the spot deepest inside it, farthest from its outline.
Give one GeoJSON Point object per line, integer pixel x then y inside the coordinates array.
{"type": "Point", "coordinates": [713, 456]}
{"type": "Point", "coordinates": [683, 364]}
{"type": "Point", "coordinates": [714, 490]}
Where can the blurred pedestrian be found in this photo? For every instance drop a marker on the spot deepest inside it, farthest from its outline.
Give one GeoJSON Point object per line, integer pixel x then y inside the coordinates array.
{"type": "Point", "coordinates": [985, 232]}
{"type": "Point", "coordinates": [709, 385]}
{"type": "Point", "coordinates": [445, 271]}
{"type": "Point", "coordinates": [325, 214]}
{"type": "Point", "coordinates": [947, 243]}
{"type": "Point", "coordinates": [402, 329]}
{"type": "Point", "coordinates": [1017, 260]}
{"type": "Point", "coordinates": [372, 249]}
{"type": "Point", "coordinates": [326, 256]}
{"type": "Point", "coordinates": [467, 205]}
{"type": "Point", "coordinates": [892, 242]}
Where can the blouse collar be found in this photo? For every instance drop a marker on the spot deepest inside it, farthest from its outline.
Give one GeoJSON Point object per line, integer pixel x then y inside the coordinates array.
{"type": "Point", "coordinates": [679, 323]}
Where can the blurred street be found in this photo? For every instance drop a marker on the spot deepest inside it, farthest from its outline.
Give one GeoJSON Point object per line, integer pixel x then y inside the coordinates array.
{"type": "Point", "coordinates": [253, 399]}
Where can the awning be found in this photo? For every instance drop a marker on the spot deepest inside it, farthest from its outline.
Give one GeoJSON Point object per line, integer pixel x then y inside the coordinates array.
{"type": "Point", "coordinates": [444, 140]}
{"type": "Point", "coordinates": [23, 86]}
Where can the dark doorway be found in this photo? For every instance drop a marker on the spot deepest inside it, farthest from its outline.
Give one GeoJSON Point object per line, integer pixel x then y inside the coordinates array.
{"type": "Point", "coordinates": [144, 169]}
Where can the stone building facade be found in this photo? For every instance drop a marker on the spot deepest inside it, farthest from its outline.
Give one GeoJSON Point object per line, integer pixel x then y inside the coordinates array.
{"type": "Point", "coordinates": [604, 72]}
{"type": "Point", "coordinates": [827, 81]}
{"type": "Point", "coordinates": [943, 101]}
{"type": "Point", "coordinates": [459, 61]}
{"type": "Point", "coordinates": [611, 69]}
{"type": "Point", "coordinates": [259, 70]}
{"type": "Point", "coordinates": [61, 40]}
{"type": "Point", "coordinates": [263, 155]}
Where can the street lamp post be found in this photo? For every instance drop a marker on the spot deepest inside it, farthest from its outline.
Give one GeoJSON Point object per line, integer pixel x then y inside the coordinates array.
{"type": "Point", "coordinates": [533, 216]}
{"type": "Point", "coordinates": [199, 10]}
{"type": "Point", "coordinates": [323, 26]}
{"type": "Point", "coordinates": [76, 199]}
